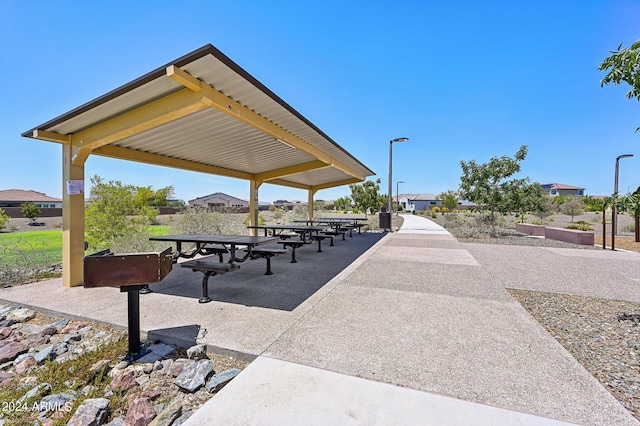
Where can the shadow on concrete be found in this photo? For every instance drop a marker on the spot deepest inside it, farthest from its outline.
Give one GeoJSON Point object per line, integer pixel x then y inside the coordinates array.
{"type": "Point", "coordinates": [289, 286]}
{"type": "Point", "coordinates": [184, 336]}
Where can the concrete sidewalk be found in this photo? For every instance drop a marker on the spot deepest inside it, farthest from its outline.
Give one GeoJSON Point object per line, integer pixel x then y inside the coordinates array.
{"type": "Point", "coordinates": [415, 329]}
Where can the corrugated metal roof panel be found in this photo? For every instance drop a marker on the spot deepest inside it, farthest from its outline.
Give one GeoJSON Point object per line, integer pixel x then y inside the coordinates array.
{"type": "Point", "coordinates": [209, 136]}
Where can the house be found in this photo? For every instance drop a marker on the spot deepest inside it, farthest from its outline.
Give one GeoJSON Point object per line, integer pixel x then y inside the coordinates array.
{"type": "Point", "coordinates": [556, 189]}
{"type": "Point", "coordinates": [219, 199]}
{"type": "Point", "coordinates": [17, 197]}
{"type": "Point", "coordinates": [418, 202]}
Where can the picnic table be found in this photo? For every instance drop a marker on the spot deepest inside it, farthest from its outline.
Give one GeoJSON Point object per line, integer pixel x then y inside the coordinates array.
{"type": "Point", "coordinates": [205, 244]}
{"type": "Point", "coordinates": [277, 230]}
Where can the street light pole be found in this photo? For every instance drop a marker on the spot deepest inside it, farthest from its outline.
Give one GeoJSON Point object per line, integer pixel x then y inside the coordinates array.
{"type": "Point", "coordinates": [614, 212]}
{"type": "Point", "coordinates": [390, 194]}
{"type": "Point", "coordinates": [398, 195]}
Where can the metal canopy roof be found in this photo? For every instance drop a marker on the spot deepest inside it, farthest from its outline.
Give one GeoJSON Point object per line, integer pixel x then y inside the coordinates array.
{"type": "Point", "coordinates": [202, 112]}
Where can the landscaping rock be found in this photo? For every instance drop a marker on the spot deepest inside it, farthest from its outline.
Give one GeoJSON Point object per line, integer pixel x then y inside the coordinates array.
{"type": "Point", "coordinates": [219, 380]}
{"type": "Point", "coordinates": [183, 418]}
{"type": "Point", "coordinates": [124, 379]}
{"type": "Point", "coordinates": [9, 351]}
{"type": "Point", "coordinates": [25, 365]}
{"type": "Point", "coordinates": [59, 325]}
{"type": "Point", "coordinates": [195, 375]}
{"type": "Point", "coordinates": [21, 315]}
{"type": "Point", "coordinates": [5, 332]}
{"type": "Point", "coordinates": [197, 352]}
{"type": "Point", "coordinates": [56, 402]}
{"type": "Point", "coordinates": [91, 412]}
{"type": "Point", "coordinates": [44, 354]}
{"type": "Point", "coordinates": [41, 389]}
{"type": "Point", "coordinates": [140, 412]}
{"type": "Point", "coordinates": [169, 414]}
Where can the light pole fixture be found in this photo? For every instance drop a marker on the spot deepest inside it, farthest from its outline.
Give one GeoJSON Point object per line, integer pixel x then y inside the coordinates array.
{"type": "Point", "coordinates": [614, 212]}
{"type": "Point", "coordinates": [390, 194]}
{"type": "Point", "coordinates": [398, 196]}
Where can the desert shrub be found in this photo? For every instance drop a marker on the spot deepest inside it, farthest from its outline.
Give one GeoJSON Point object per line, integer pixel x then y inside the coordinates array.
{"type": "Point", "coordinates": [436, 209]}
{"type": "Point", "coordinates": [580, 225]}
{"type": "Point", "coordinates": [3, 219]}
{"type": "Point", "coordinates": [201, 220]}
{"type": "Point", "coordinates": [137, 242]}
{"type": "Point", "coordinates": [631, 227]}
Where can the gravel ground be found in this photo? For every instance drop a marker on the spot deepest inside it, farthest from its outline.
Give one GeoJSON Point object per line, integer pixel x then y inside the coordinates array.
{"type": "Point", "coordinates": [602, 335]}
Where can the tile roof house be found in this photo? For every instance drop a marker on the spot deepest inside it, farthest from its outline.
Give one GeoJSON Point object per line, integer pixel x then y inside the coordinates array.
{"type": "Point", "coordinates": [17, 197]}
{"type": "Point", "coordinates": [419, 202]}
{"type": "Point", "coordinates": [218, 199]}
{"type": "Point", "coordinates": [556, 189]}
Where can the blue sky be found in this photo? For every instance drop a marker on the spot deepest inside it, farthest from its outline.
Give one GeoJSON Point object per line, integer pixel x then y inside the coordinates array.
{"type": "Point", "coordinates": [463, 80]}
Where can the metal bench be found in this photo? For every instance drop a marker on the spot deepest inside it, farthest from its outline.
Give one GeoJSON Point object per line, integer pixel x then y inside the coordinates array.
{"type": "Point", "coordinates": [319, 238]}
{"type": "Point", "coordinates": [208, 266]}
{"type": "Point", "coordinates": [294, 245]}
{"type": "Point", "coordinates": [267, 253]}
{"type": "Point", "coordinates": [214, 249]}
{"type": "Point", "coordinates": [335, 232]}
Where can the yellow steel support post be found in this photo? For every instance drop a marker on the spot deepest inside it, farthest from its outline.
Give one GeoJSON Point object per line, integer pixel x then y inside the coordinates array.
{"type": "Point", "coordinates": [253, 204]}
{"type": "Point", "coordinates": [72, 219]}
{"type": "Point", "coordinates": [310, 193]}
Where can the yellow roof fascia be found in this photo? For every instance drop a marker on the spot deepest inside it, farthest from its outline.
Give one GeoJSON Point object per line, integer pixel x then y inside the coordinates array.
{"type": "Point", "coordinates": [291, 170]}
{"type": "Point", "coordinates": [145, 117]}
{"type": "Point", "coordinates": [51, 136]}
{"type": "Point", "coordinates": [222, 102]}
{"type": "Point", "coordinates": [161, 160]}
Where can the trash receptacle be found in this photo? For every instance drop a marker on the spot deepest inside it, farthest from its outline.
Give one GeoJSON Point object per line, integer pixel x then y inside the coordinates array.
{"type": "Point", "coordinates": [385, 219]}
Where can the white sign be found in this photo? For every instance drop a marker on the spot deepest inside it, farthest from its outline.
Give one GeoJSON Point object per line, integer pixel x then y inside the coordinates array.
{"type": "Point", "coordinates": [75, 187]}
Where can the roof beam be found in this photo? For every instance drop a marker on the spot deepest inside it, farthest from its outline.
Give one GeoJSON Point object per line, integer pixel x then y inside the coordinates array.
{"type": "Point", "coordinates": [51, 136]}
{"type": "Point", "coordinates": [220, 101]}
{"type": "Point", "coordinates": [291, 170]}
{"type": "Point", "coordinates": [283, 182]}
{"type": "Point", "coordinates": [138, 120]}
{"type": "Point", "coordinates": [160, 160]}
{"type": "Point", "coordinates": [337, 183]}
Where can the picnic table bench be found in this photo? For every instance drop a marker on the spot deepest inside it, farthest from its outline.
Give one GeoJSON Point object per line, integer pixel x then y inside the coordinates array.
{"type": "Point", "coordinates": [267, 253]}
{"type": "Point", "coordinates": [208, 266]}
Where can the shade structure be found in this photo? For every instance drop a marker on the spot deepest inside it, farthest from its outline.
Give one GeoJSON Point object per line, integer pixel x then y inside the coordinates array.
{"type": "Point", "coordinates": [201, 112]}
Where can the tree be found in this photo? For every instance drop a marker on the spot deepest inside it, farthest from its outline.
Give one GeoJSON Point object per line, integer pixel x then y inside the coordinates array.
{"type": "Point", "coordinates": [545, 208]}
{"type": "Point", "coordinates": [30, 210]}
{"type": "Point", "coordinates": [366, 195]}
{"type": "Point", "coordinates": [486, 184]}
{"type": "Point", "coordinates": [522, 197]}
{"type": "Point", "coordinates": [449, 200]}
{"type": "Point", "coordinates": [343, 203]}
{"type": "Point", "coordinates": [572, 206]}
{"type": "Point", "coordinates": [624, 66]}
{"type": "Point", "coordinates": [117, 210]}
{"type": "Point", "coordinates": [3, 219]}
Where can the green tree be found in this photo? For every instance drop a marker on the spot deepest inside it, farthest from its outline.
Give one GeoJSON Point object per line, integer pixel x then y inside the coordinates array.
{"type": "Point", "coordinates": [545, 208]}
{"type": "Point", "coordinates": [116, 211]}
{"type": "Point", "coordinates": [449, 200]}
{"type": "Point", "coordinates": [366, 196]}
{"type": "Point", "coordinates": [486, 184]}
{"type": "Point", "coordinates": [593, 204]}
{"type": "Point", "coordinates": [572, 206]}
{"type": "Point", "coordinates": [623, 67]}
{"type": "Point", "coordinates": [30, 210]}
{"type": "Point", "coordinates": [343, 203]}
{"type": "Point", "coordinates": [3, 219]}
{"type": "Point", "coordinates": [522, 197]}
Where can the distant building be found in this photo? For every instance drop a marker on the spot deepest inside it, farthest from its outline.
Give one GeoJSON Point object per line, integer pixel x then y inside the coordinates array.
{"type": "Point", "coordinates": [17, 197]}
{"type": "Point", "coordinates": [556, 189]}
{"type": "Point", "coordinates": [219, 199]}
{"type": "Point", "coordinates": [418, 202]}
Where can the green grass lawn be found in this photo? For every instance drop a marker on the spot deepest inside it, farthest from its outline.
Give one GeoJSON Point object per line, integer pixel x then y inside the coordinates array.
{"type": "Point", "coordinates": [42, 248]}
